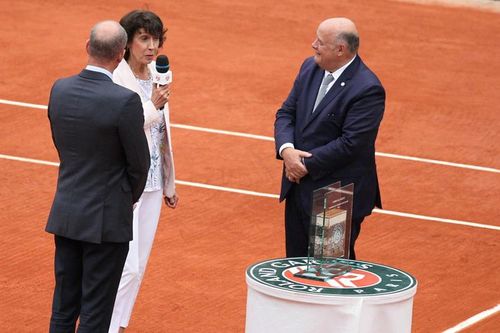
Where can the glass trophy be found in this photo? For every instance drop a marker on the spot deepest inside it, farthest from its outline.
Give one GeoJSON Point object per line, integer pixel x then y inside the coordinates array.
{"type": "Point", "coordinates": [329, 233]}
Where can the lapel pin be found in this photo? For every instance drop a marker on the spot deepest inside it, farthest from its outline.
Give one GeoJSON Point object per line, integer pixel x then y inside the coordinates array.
{"type": "Point", "coordinates": [342, 84]}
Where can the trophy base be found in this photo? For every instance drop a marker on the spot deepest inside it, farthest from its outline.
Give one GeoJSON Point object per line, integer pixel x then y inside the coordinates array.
{"type": "Point", "coordinates": [324, 272]}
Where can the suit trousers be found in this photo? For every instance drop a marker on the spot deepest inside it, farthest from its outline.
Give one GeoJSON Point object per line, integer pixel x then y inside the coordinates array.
{"type": "Point", "coordinates": [145, 223]}
{"type": "Point", "coordinates": [298, 223]}
{"type": "Point", "coordinates": [86, 281]}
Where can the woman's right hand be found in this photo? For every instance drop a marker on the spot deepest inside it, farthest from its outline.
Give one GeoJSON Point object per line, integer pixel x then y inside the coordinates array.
{"type": "Point", "coordinates": [160, 95]}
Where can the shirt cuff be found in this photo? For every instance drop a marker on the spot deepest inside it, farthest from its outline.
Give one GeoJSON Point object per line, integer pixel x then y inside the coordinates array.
{"type": "Point", "coordinates": [285, 145]}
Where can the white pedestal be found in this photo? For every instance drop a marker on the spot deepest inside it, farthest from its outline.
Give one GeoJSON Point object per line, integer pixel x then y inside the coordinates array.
{"type": "Point", "coordinates": [272, 309]}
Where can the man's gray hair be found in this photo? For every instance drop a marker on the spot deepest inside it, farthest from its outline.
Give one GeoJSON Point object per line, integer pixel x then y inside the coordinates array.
{"type": "Point", "coordinates": [107, 40]}
{"type": "Point", "coordinates": [351, 39]}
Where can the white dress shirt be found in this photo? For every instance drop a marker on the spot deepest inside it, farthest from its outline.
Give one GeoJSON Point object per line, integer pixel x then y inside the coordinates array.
{"type": "Point", "coordinates": [100, 70]}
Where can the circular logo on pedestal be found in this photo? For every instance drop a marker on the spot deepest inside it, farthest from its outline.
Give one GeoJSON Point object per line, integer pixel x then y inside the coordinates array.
{"type": "Point", "coordinates": [364, 278]}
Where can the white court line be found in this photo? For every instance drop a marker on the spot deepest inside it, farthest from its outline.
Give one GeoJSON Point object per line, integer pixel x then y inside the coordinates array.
{"type": "Point", "coordinates": [269, 138]}
{"type": "Point", "coordinates": [276, 196]}
{"type": "Point", "coordinates": [435, 219]}
{"type": "Point", "coordinates": [473, 320]}
{"type": "Point", "coordinates": [427, 160]}
{"type": "Point", "coordinates": [227, 189]}
{"type": "Point", "coordinates": [28, 160]}
{"type": "Point", "coordinates": [28, 105]}
{"type": "Point", "coordinates": [209, 130]}
{"type": "Point", "coordinates": [380, 154]}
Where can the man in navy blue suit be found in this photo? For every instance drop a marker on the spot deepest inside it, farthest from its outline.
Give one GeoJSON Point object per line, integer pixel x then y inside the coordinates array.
{"type": "Point", "coordinates": [325, 132]}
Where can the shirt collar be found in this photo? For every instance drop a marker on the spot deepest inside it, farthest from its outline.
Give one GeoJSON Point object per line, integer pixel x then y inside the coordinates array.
{"type": "Point", "coordinates": [100, 70]}
{"type": "Point", "coordinates": [339, 71]}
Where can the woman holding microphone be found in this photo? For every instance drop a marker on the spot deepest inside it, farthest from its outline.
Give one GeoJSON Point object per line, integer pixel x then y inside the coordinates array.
{"type": "Point", "coordinates": [146, 35]}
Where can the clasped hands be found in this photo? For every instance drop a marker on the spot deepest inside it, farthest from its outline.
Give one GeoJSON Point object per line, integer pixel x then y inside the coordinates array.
{"type": "Point", "coordinates": [294, 168]}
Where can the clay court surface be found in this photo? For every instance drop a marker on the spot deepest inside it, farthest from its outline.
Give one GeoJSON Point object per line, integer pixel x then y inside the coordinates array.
{"type": "Point", "coordinates": [234, 63]}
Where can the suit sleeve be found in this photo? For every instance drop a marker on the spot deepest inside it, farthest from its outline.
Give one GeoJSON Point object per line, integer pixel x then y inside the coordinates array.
{"type": "Point", "coordinates": [49, 111]}
{"type": "Point", "coordinates": [135, 145]}
{"type": "Point", "coordinates": [359, 131]}
{"type": "Point", "coordinates": [284, 124]}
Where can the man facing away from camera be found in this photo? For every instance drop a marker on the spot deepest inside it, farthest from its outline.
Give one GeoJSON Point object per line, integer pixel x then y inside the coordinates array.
{"type": "Point", "coordinates": [97, 129]}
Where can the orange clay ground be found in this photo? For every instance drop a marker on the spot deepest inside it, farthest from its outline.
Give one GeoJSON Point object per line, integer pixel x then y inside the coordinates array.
{"type": "Point", "coordinates": [234, 63]}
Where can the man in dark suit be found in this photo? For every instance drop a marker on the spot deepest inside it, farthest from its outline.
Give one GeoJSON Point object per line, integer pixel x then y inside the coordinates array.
{"type": "Point", "coordinates": [325, 132]}
{"type": "Point", "coordinates": [97, 129]}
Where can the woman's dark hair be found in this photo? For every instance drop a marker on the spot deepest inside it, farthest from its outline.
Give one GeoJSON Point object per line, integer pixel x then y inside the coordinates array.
{"type": "Point", "coordinates": [142, 19]}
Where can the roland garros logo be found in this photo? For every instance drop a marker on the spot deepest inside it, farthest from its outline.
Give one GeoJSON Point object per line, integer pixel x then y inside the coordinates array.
{"type": "Point", "coordinates": [364, 278]}
{"type": "Point", "coordinates": [356, 278]}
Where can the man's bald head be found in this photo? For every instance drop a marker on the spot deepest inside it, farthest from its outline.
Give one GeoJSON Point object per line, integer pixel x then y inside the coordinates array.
{"type": "Point", "coordinates": [342, 29]}
{"type": "Point", "coordinates": [336, 43]}
{"type": "Point", "coordinates": [107, 41]}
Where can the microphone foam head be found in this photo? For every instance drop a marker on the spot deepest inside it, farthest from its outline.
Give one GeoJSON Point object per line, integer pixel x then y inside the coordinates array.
{"type": "Point", "coordinates": [162, 65]}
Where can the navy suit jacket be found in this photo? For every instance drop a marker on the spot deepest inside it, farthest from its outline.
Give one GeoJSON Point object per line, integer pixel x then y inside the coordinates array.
{"type": "Point", "coordinates": [97, 129]}
{"type": "Point", "coordinates": [340, 134]}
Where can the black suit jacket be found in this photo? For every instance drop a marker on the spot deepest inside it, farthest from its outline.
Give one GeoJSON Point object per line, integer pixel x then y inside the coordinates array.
{"type": "Point", "coordinates": [97, 129]}
{"type": "Point", "coordinates": [340, 134]}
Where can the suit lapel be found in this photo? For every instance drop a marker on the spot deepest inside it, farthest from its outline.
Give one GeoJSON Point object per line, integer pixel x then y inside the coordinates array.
{"type": "Point", "coordinates": [340, 84]}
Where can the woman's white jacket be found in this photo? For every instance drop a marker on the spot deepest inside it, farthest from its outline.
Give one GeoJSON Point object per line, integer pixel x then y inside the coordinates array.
{"type": "Point", "coordinates": [124, 76]}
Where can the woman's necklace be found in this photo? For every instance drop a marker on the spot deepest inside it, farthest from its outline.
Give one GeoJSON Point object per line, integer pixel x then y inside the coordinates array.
{"type": "Point", "coordinates": [143, 75]}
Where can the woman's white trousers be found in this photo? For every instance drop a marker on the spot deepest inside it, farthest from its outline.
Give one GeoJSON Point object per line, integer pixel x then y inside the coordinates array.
{"type": "Point", "coordinates": [146, 216]}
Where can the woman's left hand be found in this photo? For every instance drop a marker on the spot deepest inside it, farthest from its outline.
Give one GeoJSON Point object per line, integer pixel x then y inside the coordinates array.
{"type": "Point", "coordinates": [171, 202]}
